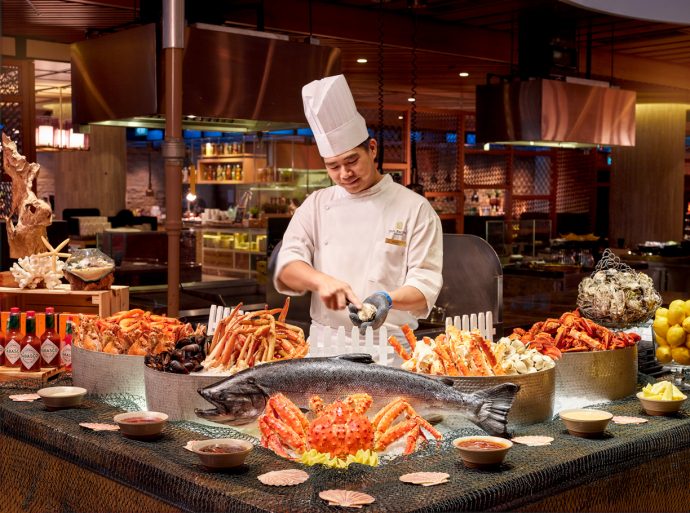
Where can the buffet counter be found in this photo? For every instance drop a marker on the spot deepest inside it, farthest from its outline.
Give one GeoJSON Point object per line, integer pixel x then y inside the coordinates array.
{"type": "Point", "coordinates": [50, 463]}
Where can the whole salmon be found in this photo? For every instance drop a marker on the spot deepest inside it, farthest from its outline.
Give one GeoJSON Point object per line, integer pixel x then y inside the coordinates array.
{"type": "Point", "coordinates": [241, 398]}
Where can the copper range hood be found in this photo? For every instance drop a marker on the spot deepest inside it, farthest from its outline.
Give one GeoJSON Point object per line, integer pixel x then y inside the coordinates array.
{"type": "Point", "coordinates": [543, 112]}
{"type": "Point", "coordinates": [233, 79]}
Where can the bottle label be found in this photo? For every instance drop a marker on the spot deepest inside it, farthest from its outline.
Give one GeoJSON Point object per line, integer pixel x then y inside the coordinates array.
{"type": "Point", "coordinates": [29, 356]}
{"type": "Point", "coordinates": [66, 355]}
{"type": "Point", "coordinates": [2, 349]}
{"type": "Point", "coordinates": [12, 351]}
{"type": "Point", "coordinates": [49, 350]}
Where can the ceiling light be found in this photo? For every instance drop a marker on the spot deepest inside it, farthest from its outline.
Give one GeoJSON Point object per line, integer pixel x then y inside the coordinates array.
{"type": "Point", "coordinates": [191, 116]}
{"type": "Point", "coordinates": [400, 117]}
{"type": "Point", "coordinates": [362, 61]}
{"type": "Point", "coordinates": [464, 74]}
{"type": "Point", "coordinates": [411, 99]}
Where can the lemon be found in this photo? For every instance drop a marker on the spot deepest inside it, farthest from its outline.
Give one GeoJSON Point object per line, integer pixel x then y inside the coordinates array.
{"type": "Point", "coordinates": [686, 324]}
{"type": "Point", "coordinates": [677, 303]}
{"type": "Point", "coordinates": [675, 336]}
{"type": "Point", "coordinates": [661, 312]}
{"type": "Point", "coordinates": [660, 326]}
{"type": "Point", "coordinates": [660, 341]}
{"type": "Point", "coordinates": [687, 341]}
{"type": "Point", "coordinates": [681, 355]}
{"type": "Point", "coordinates": [675, 315]}
{"type": "Point", "coordinates": [686, 307]}
{"type": "Point", "coordinates": [663, 354]}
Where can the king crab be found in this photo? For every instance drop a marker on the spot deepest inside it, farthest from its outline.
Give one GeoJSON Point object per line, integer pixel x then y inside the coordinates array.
{"type": "Point", "coordinates": [340, 428]}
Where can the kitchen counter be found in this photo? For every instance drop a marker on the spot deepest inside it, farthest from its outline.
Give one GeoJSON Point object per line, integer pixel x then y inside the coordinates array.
{"type": "Point", "coordinates": [52, 464]}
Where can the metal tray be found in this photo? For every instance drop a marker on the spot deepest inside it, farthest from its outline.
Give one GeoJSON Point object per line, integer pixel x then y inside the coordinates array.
{"type": "Point", "coordinates": [534, 402]}
{"type": "Point", "coordinates": [597, 375]}
{"type": "Point", "coordinates": [105, 373]}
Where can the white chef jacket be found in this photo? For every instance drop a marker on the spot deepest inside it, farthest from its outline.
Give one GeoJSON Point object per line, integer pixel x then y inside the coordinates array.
{"type": "Point", "coordinates": [379, 239]}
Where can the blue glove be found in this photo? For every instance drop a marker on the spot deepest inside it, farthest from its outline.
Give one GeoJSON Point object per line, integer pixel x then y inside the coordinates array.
{"type": "Point", "coordinates": [382, 301]}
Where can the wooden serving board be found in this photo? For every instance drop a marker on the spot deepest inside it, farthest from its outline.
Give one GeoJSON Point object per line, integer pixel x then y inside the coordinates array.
{"type": "Point", "coordinates": [45, 374]}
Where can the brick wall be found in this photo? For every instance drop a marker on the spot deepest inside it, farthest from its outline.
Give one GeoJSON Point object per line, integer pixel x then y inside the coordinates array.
{"type": "Point", "coordinates": [138, 179]}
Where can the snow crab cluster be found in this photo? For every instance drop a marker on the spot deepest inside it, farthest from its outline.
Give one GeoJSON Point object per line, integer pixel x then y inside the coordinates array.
{"type": "Point", "coordinates": [341, 428]}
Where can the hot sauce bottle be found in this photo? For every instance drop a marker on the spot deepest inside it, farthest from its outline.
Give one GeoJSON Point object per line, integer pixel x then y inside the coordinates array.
{"type": "Point", "coordinates": [13, 338]}
{"type": "Point", "coordinates": [31, 345]}
{"type": "Point", "coordinates": [50, 342]}
{"type": "Point", "coordinates": [66, 346]}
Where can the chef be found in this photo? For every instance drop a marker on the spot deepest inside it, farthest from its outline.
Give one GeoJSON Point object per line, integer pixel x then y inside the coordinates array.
{"type": "Point", "coordinates": [365, 240]}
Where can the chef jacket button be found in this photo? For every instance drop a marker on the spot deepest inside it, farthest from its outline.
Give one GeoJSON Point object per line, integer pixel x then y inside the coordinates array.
{"type": "Point", "coordinates": [328, 208]}
{"type": "Point", "coordinates": [325, 243]}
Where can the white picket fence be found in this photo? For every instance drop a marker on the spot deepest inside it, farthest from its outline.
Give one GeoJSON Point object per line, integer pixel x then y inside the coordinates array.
{"type": "Point", "coordinates": [484, 322]}
{"type": "Point", "coordinates": [329, 342]}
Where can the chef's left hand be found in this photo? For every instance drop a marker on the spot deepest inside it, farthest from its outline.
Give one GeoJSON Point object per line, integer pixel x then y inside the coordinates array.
{"type": "Point", "coordinates": [383, 303]}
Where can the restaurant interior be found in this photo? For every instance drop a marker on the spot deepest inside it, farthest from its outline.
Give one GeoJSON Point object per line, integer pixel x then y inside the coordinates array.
{"type": "Point", "coordinates": [424, 74]}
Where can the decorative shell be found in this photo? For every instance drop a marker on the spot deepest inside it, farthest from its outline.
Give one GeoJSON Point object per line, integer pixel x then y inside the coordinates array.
{"type": "Point", "coordinates": [533, 441]}
{"type": "Point", "coordinates": [425, 478]}
{"type": "Point", "coordinates": [99, 427]}
{"type": "Point", "coordinates": [288, 477]}
{"type": "Point", "coordinates": [24, 398]}
{"type": "Point", "coordinates": [346, 498]}
{"type": "Point", "coordinates": [622, 419]}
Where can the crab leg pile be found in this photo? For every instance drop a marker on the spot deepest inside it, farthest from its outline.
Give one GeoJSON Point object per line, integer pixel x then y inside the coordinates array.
{"type": "Point", "coordinates": [454, 353]}
{"type": "Point", "coordinates": [244, 340]}
{"type": "Point", "coordinates": [572, 333]}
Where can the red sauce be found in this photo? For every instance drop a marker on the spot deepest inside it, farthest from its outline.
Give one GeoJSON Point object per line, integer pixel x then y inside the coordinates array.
{"type": "Point", "coordinates": [222, 448]}
{"type": "Point", "coordinates": [141, 420]}
{"type": "Point", "coordinates": [481, 445]}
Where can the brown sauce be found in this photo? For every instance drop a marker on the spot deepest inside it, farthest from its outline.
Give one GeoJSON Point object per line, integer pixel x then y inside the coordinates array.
{"type": "Point", "coordinates": [222, 448]}
{"type": "Point", "coordinates": [141, 420]}
{"type": "Point", "coordinates": [481, 445]}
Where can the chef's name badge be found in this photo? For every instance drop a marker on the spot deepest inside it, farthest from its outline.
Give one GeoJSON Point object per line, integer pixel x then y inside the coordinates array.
{"type": "Point", "coordinates": [397, 236]}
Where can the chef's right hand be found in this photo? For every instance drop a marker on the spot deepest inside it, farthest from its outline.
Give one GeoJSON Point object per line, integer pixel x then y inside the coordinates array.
{"type": "Point", "coordinates": [335, 294]}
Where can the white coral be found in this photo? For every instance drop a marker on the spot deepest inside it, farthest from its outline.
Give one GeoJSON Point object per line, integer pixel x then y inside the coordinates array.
{"type": "Point", "coordinates": [31, 271]}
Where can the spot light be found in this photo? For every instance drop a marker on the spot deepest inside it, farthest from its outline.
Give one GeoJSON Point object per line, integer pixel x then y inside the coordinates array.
{"type": "Point", "coordinates": [410, 99]}
{"type": "Point", "coordinates": [464, 74]}
{"type": "Point", "coordinates": [362, 61]}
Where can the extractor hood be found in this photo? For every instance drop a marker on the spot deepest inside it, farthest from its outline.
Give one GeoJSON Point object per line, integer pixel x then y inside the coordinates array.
{"type": "Point", "coordinates": [545, 112]}
{"type": "Point", "coordinates": [233, 79]}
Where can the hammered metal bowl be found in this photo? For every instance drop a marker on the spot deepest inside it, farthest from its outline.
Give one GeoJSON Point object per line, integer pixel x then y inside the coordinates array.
{"type": "Point", "coordinates": [596, 376]}
{"type": "Point", "coordinates": [534, 402]}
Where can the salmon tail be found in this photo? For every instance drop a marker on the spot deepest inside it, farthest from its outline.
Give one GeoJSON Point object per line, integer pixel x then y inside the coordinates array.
{"type": "Point", "coordinates": [491, 407]}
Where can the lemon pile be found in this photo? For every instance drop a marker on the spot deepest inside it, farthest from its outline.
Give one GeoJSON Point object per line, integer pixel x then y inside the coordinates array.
{"type": "Point", "coordinates": [662, 391]}
{"type": "Point", "coordinates": [672, 331]}
{"type": "Point", "coordinates": [314, 457]}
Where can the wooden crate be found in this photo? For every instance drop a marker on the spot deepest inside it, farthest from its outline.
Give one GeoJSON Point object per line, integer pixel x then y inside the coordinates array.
{"type": "Point", "coordinates": [97, 302]}
{"type": "Point", "coordinates": [45, 374]}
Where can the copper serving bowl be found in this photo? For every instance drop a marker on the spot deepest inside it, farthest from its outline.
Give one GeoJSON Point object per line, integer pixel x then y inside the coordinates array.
{"type": "Point", "coordinates": [476, 457]}
{"type": "Point", "coordinates": [231, 452]}
{"type": "Point", "coordinates": [141, 424]}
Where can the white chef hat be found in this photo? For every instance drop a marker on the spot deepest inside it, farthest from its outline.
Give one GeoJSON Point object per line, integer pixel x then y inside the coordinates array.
{"type": "Point", "coordinates": [332, 116]}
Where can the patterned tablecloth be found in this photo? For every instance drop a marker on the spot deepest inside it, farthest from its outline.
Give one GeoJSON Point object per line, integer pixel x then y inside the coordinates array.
{"type": "Point", "coordinates": [164, 470]}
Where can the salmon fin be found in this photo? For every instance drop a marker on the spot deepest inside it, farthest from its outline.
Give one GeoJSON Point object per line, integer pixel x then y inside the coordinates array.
{"type": "Point", "coordinates": [493, 405]}
{"type": "Point", "coordinates": [447, 381]}
{"type": "Point", "coordinates": [355, 357]}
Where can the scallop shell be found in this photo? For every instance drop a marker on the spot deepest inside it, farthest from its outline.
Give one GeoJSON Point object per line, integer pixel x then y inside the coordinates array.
{"type": "Point", "coordinates": [533, 441]}
{"type": "Point", "coordinates": [346, 498]}
{"type": "Point", "coordinates": [25, 398]}
{"type": "Point", "coordinates": [99, 427]}
{"type": "Point", "coordinates": [622, 419]}
{"type": "Point", "coordinates": [425, 478]}
{"type": "Point", "coordinates": [288, 477]}
{"type": "Point", "coordinates": [190, 445]}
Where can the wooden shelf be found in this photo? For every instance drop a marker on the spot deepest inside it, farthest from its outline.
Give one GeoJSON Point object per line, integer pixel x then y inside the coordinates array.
{"type": "Point", "coordinates": [232, 156]}
{"type": "Point", "coordinates": [220, 182]}
{"type": "Point", "coordinates": [228, 250]}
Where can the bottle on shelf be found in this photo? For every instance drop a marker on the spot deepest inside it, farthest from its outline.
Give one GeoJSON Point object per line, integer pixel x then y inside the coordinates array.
{"type": "Point", "coordinates": [50, 342]}
{"type": "Point", "coordinates": [13, 339]}
{"type": "Point", "coordinates": [31, 345]}
{"type": "Point", "coordinates": [66, 345]}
